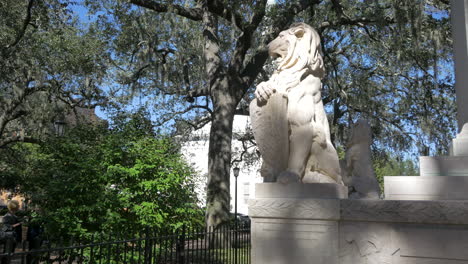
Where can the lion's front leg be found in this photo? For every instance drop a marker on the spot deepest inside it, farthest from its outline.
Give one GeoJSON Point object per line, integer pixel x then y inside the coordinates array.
{"type": "Point", "coordinates": [301, 110]}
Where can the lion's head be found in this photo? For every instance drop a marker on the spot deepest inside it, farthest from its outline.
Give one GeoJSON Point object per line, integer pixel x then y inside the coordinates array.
{"type": "Point", "coordinates": [361, 133]}
{"type": "Point", "coordinates": [298, 48]}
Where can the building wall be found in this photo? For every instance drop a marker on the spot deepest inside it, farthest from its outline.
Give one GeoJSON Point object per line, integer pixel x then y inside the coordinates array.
{"type": "Point", "coordinates": [195, 151]}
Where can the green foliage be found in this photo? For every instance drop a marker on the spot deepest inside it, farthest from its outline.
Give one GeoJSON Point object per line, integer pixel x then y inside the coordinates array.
{"type": "Point", "coordinates": [94, 179]}
{"type": "Point", "coordinates": [393, 166]}
{"type": "Point", "coordinates": [389, 62]}
{"type": "Point", "coordinates": [48, 63]}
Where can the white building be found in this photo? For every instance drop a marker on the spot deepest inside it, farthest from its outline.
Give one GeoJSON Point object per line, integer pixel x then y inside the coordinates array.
{"type": "Point", "coordinates": [196, 152]}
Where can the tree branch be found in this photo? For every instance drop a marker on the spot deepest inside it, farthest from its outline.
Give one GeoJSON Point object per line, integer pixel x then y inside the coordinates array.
{"type": "Point", "coordinates": [198, 92]}
{"type": "Point", "coordinates": [9, 110]}
{"type": "Point", "coordinates": [17, 138]}
{"type": "Point", "coordinates": [26, 22]}
{"type": "Point", "coordinates": [199, 124]}
{"type": "Point", "coordinates": [167, 118]}
{"type": "Point", "coordinates": [195, 14]}
{"type": "Point", "coordinates": [245, 40]}
{"type": "Point", "coordinates": [247, 137]}
{"type": "Point", "coordinates": [218, 8]}
{"type": "Point", "coordinates": [211, 48]}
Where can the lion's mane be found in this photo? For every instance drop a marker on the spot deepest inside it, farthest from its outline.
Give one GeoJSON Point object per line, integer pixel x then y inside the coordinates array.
{"type": "Point", "coordinates": [304, 51]}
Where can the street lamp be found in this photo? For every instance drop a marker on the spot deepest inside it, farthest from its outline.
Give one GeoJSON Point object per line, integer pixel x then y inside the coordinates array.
{"type": "Point", "coordinates": [59, 128]}
{"type": "Point", "coordinates": [236, 171]}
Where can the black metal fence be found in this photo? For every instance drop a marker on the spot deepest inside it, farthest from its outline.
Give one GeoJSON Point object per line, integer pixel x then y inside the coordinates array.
{"type": "Point", "coordinates": [221, 246]}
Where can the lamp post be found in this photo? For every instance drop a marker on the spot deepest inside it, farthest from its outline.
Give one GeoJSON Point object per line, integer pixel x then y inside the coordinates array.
{"type": "Point", "coordinates": [59, 127]}
{"type": "Point", "coordinates": [236, 174]}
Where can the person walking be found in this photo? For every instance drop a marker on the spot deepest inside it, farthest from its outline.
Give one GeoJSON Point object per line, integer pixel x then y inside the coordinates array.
{"type": "Point", "coordinates": [12, 224]}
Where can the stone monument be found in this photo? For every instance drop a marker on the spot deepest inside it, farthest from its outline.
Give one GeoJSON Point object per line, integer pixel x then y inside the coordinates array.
{"type": "Point", "coordinates": [300, 163]}
{"type": "Point", "coordinates": [459, 16]}
{"type": "Point", "coordinates": [288, 119]}
{"type": "Point", "coordinates": [357, 171]}
{"type": "Point", "coordinates": [439, 176]}
{"type": "Point", "coordinates": [425, 222]}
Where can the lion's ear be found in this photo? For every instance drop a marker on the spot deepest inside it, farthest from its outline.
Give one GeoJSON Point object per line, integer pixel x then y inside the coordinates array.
{"type": "Point", "coordinates": [299, 32]}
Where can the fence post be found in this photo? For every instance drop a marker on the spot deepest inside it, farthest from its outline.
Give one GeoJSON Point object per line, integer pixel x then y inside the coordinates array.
{"type": "Point", "coordinates": [8, 249]}
{"type": "Point", "coordinates": [180, 247]}
{"type": "Point", "coordinates": [147, 246]}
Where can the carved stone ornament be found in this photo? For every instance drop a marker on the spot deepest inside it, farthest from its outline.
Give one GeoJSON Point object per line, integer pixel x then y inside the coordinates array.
{"type": "Point", "coordinates": [288, 118]}
{"type": "Point", "coordinates": [358, 173]}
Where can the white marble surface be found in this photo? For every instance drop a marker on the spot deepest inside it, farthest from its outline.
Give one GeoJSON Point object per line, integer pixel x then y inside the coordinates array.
{"type": "Point", "coordinates": [443, 166]}
{"type": "Point", "coordinates": [360, 231]}
{"type": "Point", "coordinates": [302, 191]}
{"type": "Point", "coordinates": [459, 16]}
{"type": "Point", "coordinates": [357, 171]}
{"type": "Point", "coordinates": [426, 188]}
{"type": "Point", "coordinates": [311, 156]}
{"type": "Point", "coordinates": [460, 143]}
{"type": "Point", "coordinates": [286, 241]}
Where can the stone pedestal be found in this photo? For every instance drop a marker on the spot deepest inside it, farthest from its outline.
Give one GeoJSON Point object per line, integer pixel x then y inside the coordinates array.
{"type": "Point", "coordinates": [403, 232]}
{"type": "Point", "coordinates": [290, 225]}
{"type": "Point", "coordinates": [347, 231]}
{"type": "Point", "coordinates": [460, 143]}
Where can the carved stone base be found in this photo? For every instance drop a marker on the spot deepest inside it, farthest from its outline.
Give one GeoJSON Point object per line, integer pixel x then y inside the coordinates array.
{"type": "Point", "coordinates": [344, 231]}
{"type": "Point", "coordinates": [301, 190]}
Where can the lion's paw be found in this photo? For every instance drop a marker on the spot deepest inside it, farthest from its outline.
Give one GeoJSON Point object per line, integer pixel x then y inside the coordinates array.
{"type": "Point", "coordinates": [287, 177]}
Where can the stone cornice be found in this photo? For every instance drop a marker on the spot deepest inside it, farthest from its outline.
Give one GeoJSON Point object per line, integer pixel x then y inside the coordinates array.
{"type": "Point", "coordinates": [319, 209]}
{"type": "Point", "coordinates": [392, 211]}
{"type": "Point", "coordinates": [421, 212]}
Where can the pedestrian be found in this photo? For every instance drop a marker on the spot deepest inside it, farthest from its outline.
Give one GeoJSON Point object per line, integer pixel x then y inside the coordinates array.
{"type": "Point", "coordinates": [11, 223]}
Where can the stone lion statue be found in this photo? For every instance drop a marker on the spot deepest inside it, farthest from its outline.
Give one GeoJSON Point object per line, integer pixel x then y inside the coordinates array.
{"type": "Point", "coordinates": [357, 170]}
{"type": "Point", "coordinates": [288, 119]}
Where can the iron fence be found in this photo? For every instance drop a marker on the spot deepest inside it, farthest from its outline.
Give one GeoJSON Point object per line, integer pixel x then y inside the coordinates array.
{"type": "Point", "coordinates": [221, 246]}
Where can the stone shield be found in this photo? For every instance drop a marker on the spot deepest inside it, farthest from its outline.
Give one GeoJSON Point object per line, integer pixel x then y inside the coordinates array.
{"type": "Point", "coordinates": [271, 132]}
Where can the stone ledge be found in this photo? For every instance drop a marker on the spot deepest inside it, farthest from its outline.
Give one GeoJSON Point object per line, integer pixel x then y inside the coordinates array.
{"type": "Point", "coordinates": [426, 188]}
{"type": "Point", "coordinates": [315, 209]}
{"type": "Point", "coordinates": [417, 212]}
{"type": "Point", "coordinates": [443, 166]}
{"type": "Point", "coordinates": [301, 190]}
{"type": "Point", "coordinates": [420, 212]}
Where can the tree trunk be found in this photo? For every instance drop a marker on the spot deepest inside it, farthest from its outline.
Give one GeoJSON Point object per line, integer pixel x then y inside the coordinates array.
{"type": "Point", "coordinates": [219, 160]}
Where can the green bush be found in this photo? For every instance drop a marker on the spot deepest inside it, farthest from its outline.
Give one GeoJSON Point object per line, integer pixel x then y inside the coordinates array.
{"type": "Point", "coordinates": [123, 178]}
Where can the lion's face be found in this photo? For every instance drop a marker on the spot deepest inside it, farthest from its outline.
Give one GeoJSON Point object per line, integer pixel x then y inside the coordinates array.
{"type": "Point", "coordinates": [361, 133]}
{"type": "Point", "coordinates": [298, 48]}
{"type": "Point", "coordinates": [278, 48]}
